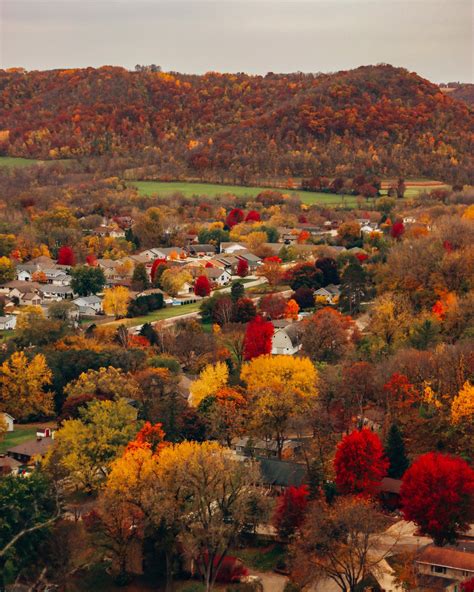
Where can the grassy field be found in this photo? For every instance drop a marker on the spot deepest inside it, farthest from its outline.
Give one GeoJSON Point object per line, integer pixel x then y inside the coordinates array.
{"type": "Point", "coordinates": [159, 315]}
{"type": "Point", "coordinates": [18, 436]}
{"type": "Point", "coordinates": [212, 190]}
{"type": "Point", "coordinates": [14, 162]}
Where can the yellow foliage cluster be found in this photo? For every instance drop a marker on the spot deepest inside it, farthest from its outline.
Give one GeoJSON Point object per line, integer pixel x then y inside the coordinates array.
{"type": "Point", "coordinates": [211, 379]}
{"type": "Point", "coordinates": [462, 407]}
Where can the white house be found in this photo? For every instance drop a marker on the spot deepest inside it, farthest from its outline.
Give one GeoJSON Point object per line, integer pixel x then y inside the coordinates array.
{"type": "Point", "coordinates": [286, 338]}
{"type": "Point", "coordinates": [221, 277]}
{"type": "Point", "coordinates": [8, 419]}
{"type": "Point", "coordinates": [89, 305]}
{"type": "Point", "coordinates": [7, 323]}
{"type": "Point", "coordinates": [230, 248]}
{"type": "Point", "coordinates": [331, 293]}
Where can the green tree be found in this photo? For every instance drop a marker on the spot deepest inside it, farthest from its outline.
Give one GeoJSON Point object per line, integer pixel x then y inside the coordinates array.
{"type": "Point", "coordinates": [425, 334]}
{"type": "Point", "coordinates": [396, 453]}
{"type": "Point", "coordinates": [140, 280]}
{"type": "Point", "coordinates": [237, 291]}
{"type": "Point", "coordinates": [87, 280]}
{"type": "Point", "coordinates": [354, 288]}
{"type": "Point", "coordinates": [29, 507]}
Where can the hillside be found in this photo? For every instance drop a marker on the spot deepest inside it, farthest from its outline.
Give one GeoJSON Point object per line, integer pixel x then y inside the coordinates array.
{"type": "Point", "coordinates": [376, 119]}
{"type": "Point", "coordinates": [460, 91]}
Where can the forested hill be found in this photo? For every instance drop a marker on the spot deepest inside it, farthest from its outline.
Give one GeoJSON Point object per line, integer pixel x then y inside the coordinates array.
{"type": "Point", "coordinates": [374, 119]}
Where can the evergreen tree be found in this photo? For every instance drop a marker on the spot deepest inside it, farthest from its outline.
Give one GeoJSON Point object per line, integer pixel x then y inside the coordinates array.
{"type": "Point", "coordinates": [425, 334]}
{"type": "Point", "coordinates": [396, 453]}
{"type": "Point", "coordinates": [353, 288]}
{"type": "Point", "coordinates": [140, 279]}
{"type": "Point", "coordinates": [237, 291]}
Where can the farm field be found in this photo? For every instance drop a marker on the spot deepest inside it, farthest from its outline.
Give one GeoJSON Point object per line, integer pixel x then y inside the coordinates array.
{"type": "Point", "coordinates": [17, 162]}
{"type": "Point", "coordinates": [189, 189]}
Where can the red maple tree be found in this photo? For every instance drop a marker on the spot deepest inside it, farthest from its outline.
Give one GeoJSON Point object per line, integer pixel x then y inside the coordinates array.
{"type": "Point", "coordinates": [234, 217]}
{"type": "Point", "coordinates": [397, 230]}
{"type": "Point", "coordinates": [360, 463]}
{"type": "Point", "coordinates": [290, 510]}
{"type": "Point", "coordinates": [468, 586]}
{"type": "Point", "coordinates": [202, 287]}
{"type": "Point", "coordinates": [437, 494]}
{"type": "Point", "coordinates": [252, 216]}
{"type": "Point", "coordinates": [66, 256]}
{"type": "Point", "coordinates": [242, 268]}
{"type": "Point", "coordinates": [258, 338]}
{"type": "Point", "coordinates": [156, 263]}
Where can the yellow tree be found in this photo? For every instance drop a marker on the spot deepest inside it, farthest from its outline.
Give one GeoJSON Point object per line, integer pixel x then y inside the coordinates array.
{"type": "Point", "coordinates": [7, 271]}
{"type": "Point", "coordinates": [292, 310]}
{"type": "Point", "coordinates": [211, 379]}
{"type": "Point", "coordinates": [116, 301]}
{"type": "Point", "coordinates": [23, 384]}
{"type": "Point", "coordinates": [281, 389]}
{"type": "Point", "coordinates": [108, 381]}
{"type": "Point", "coordinates": [173, 279]}
{"type": "Point", "coordinates": [462, 407]}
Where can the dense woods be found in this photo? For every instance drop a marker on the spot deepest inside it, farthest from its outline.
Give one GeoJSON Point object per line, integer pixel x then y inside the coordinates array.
{"type": "Point", "coordinates": [379, 120]}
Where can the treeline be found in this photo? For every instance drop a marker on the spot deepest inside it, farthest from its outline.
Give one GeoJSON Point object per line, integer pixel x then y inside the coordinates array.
{"type": "Point", "coordinates": [382, 120]}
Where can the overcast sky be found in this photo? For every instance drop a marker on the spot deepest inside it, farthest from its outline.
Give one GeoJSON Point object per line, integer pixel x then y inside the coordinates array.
{"type": "Point", "coordinates": [431, 37]}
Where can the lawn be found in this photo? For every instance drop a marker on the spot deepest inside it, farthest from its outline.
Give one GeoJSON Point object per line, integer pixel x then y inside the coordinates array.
{"type": "Point", "coordinates": [18, 436]}
{"type": "Point", "coordinates": [308, 197]}
{"type": "Point", "coordinates": [159, 315]}
{"type": "Point", "coordinates": [213, 190]}
{"type": "Point", "coordinates": [262, 558]}
{"type": "Point", "coordinates": [16, 162]}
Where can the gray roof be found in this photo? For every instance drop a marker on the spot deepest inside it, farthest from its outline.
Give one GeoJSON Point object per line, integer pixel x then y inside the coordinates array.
{"type": "Point", "coordinates": [92, 299]}
{"type": "Point", "coordinates": [50, 289]}
{"type": "Point", "coordinates": [32, 447]}
{"type": "Point", "coordinates": [281, 473]}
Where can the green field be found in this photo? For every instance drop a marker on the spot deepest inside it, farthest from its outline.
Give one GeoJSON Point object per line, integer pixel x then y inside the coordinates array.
{"type": "Point", "coordinates": [18, 436]}
{"type": "Point", "coordinates": [14, 162]}
{"type": "Point", "coordinates": [158, 315]}
{"type": "Point", "coordinates": [212, 190]}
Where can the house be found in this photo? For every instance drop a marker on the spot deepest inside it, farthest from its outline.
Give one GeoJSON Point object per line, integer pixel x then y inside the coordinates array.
{"type": "Point", "coordinates": [330, 294]}
{"type": "Point", "coordinates": [201, 250]}
{"type": "Point", "coordinates": [88, 305]}
{"type": "Point", "coordinates": [110, 269]}
{"type": "Point", "coordinates": [163, 253]}
{"type": "Point", "coordinates": [229, 262]}
{"type": "Point", "coordinates": [58, 293]}
{"type": "Point", "coordinates": [446, 566]}
{"type": "Point", "coordinates": [231, 248]}
{"type": "Point", "coordinates": [109, 231]}
{"type": "Point", "coordinates": [8, 466]}
{"type": "Point", "coordinates": [264, 448]}
{"type": "Point", "coordinates": [280, 474]}
{"type": "Point", "coordinates": [30, 299]}
{"type": "Point", "coordinates": [252, 260]}
{"type": "Point", "coordinates": [389, 493]}
{"type": "Point", "coordinates": [7, 323]}
{"type": "Point", "coordinates": [9, 420]}
{"type": "Point", "coordinates": [286, 339]}
{"type": "Point", "coordinates": [221, 277]}
{"type": "Point", "coordinates": [28, 451]}
{"type": "Point", "coordinates": [57, 277]}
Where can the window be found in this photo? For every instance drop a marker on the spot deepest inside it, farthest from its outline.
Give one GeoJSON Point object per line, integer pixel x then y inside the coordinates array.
{"type": "Point", "coordinates": [438, 569]}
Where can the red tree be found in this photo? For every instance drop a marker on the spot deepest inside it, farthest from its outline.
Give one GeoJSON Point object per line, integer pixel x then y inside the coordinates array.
{"type": "Point", "coordinates": [242, 268]}
{"type": "Point", "coordinates": [234, 217]}
{"type": "Point", "coordinates": [150, 436]}
{"type": "Point", "coordinates": [66, 256]}
{"type": "Point", "coordinates": [202, 287]}
{"type": "Point", "coordinates": [258, 338]}
{"type": "Point", "coordinates": [91, 260]}
{"type": "Point", "coordinates": [290, 510]}
{"type": "Point", "coordinates": [154, 267]}
{"type": "Point", "coordinates": [397, 230]}
{"type": "Point", "coordinates": [252, 216]}
{"type": "Point", "coordinates": [468, 586]}
{"type": "Point", "coordinates": [437, 494]}
{"type": "Point", "coordinates": [243, 311]}
{"type": "Point", "coordinates": [273, 306]}
{"type": "Point", "coordinates": [360, 463]}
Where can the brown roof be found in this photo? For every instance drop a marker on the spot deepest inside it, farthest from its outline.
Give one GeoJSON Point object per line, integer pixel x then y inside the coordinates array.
{"type": "Point", "coordinates": [32, 447]}
{"type": "Point", "coordinates": [389, 485]}
{"type": "Point", "coordinates": [447, 557]}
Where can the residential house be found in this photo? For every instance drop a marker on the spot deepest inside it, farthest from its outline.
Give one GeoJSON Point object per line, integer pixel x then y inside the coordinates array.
{"type": "Point", "coordinates": [57, 293]}
{"type": "Point", "coordinates": [389, 493]}
{"type": "Point", "coordinates": [229, 262]}
{"type": "Point", "coordinates": [278, 475]}
{"type": "Point", "coordinates": [109, 231]}
{"type": "Point", "coordinates": [88, 305]}
{"type": "Point", "coordinates": [446, 566]}
{"type": "Point", "coordinates": [252, 260]}
{"type": "Point", "coordinates": [286, 339]}
{"type": "Point", "coordinates": [330, 294]}
{"type": "Point", "coordinates": [220, 277]}
{"type": "Point", "coordinates": [201, 250]}
{"type": "Point", "coordinates": [28, 451]}
{"type": "Point", "coordinates": [265, 448]}
{"type": "Point", "coordinates": [7, 323]}
{"type": "Point", "coordinates": [8, 465]}
{"type": "Point", "coordinates": [164, 253]}
{"type": "Point", "coordinates": [231, 248]}
{"type": "Point", "coordinates": [109, 267]}
{"type": "Point", "coordinates": [9, 421]}
{"type": "Point", "coordinates": [31, 299]}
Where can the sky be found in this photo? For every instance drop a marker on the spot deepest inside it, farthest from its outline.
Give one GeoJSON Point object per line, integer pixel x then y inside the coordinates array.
{"type": "Point", "coordinates": [435, 38]}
